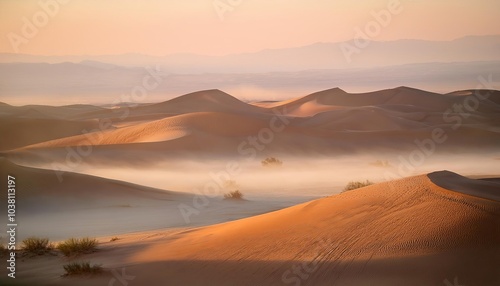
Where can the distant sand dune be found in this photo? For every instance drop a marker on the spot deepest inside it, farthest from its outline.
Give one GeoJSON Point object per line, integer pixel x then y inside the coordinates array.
{"type": "Point", "coordinates": [214, 123]}
{"type": "Point", "coordinates": [332, 99]}
{"type": "Point", "coordinates": [363, 119]}
{"type": "Point", "coordinates": [201, 101]}
{"type": "Point", "coordinates": [18, 132]}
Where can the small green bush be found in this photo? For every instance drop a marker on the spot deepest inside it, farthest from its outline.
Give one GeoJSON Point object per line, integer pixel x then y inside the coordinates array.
{"type": "Point", "coordinates": [82, 268]}
{"type": "Point", "coordinates": [75, 246]}
{"type": "Point", "coordinates": [36, 245]}
{"type": "Point", "coordinates": [357, 184]}
{"type": "Point", "coordinates": [234, 195]}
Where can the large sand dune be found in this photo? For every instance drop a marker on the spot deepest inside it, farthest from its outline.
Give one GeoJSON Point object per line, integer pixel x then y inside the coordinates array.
{"type": "Point", "coordinates": [386, 234]}
{"type": "Point", "coordinates": [404, 232]}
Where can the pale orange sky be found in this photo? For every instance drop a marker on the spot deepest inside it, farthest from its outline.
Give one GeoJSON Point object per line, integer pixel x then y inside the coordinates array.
{"type": "Point", "coordinates": [161, 27]}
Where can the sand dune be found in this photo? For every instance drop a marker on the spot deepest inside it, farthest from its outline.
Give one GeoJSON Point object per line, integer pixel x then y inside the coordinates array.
{"type": "Point", "coordinates": [334, 98]}
{"type": "Point", "coordinates": [58, 205]}
{"type": "Point", "coordinates": [45, 111]}
{"type": "Point", "coordinates": [201, 101]}
{"type": "Point", "coordinates": [364, 119]}
{"type": "Point", "coordinates": [404, 97]}
{"type": "Point", "coordinates": [171, 128]}
{"type": "Point", "coordinates": [214, 123]}
{"type": "Point", "coordinates": [386, 234]}
{"type": "Point", "coordinates": [27, 131]}
{"type": "Point", "coordinates": [208, 100]}
{"type": "Point", "coordinates": [493, 95]}
{"type": "Point", "coordinates": [41, 183]}
{"type": "Point", "coordinates": [440, 224]}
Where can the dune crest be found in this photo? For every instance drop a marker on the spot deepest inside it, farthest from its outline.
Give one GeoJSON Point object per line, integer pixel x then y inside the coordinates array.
{"type": "Point", "coordinates": [478, 188]}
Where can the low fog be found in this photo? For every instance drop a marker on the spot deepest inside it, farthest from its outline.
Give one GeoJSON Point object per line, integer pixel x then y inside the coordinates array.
{"type": "Point", "coordinates": [296, 177]}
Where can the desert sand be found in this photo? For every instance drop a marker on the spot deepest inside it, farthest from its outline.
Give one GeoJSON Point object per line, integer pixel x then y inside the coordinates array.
{"type": "Point", "coordinates": [410, 231]}
{"type": "Point", "coordinates": [213, 124]}
{"type": "Point", "coordinates": [129, 171]}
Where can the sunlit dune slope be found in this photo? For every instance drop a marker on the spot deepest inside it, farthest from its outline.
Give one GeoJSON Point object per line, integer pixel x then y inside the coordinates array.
{"type": "Point", "coordinates": [386, 234]}
{"type": "Point", "coordinates": [201, 101]}
{"type": "Point", "coordinates": [171, 128]}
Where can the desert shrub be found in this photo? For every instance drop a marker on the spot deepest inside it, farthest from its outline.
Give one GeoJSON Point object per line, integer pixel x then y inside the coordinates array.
{"type": "Point", "coordinates": [114, 239]}
{"type": "Point", "coordinates": [75, 246]}
{"type": "Point", "coordinates": [271, 162]}
{"type": "Point", "coordinates": [82, 268]}
{"type": "Point", "coordinates": [357, 184]}
{"type": "Point", "coordinates": [234, 195]}
{"type": "Point", "coordinates": [36, 245]}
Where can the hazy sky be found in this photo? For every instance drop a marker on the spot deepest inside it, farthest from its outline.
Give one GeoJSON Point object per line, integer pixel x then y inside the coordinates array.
{"type": "Point", "coordinates": [160, 27]}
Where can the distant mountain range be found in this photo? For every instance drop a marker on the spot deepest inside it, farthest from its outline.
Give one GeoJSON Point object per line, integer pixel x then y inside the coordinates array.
{"type": "Point", "coordinates": [266, 75]}
{"type": "Point", "coordinates": [315, 56]}
{"type": "Point", "coordinates": [92, 82]}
